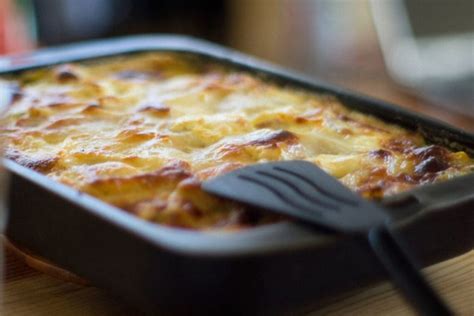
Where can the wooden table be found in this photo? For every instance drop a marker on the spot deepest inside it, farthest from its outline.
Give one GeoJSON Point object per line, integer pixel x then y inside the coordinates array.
{"type": "Point", "coordinates": [28, 292]}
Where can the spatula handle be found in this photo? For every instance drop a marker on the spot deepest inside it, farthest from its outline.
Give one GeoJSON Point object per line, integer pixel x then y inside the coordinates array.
{"type": "Point", "coordinates": [404, 273]}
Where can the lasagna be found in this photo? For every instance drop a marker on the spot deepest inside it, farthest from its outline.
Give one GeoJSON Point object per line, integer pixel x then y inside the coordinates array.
{"type": "Point", "coordinates": [143, 131]}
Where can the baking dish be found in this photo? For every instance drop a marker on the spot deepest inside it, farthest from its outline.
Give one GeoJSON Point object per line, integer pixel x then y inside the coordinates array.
{"type": "Point", "coordinates": [268, 269]}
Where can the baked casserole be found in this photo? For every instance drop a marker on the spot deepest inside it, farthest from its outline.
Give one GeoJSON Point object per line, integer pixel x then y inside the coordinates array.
{"type": "Point", "coordinates": [143, 131]}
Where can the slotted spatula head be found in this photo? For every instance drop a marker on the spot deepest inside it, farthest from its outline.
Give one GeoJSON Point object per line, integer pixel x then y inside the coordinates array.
{"type": "Point", "coordinates": [302, 190]}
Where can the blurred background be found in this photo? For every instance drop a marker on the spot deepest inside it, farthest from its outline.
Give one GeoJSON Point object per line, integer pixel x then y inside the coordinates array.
{"type": "Point", "coordinates": [418, 53]}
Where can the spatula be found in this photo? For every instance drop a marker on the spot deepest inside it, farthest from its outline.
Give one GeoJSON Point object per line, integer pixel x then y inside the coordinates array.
{"type": "Point", "coordinates": [305, 192]}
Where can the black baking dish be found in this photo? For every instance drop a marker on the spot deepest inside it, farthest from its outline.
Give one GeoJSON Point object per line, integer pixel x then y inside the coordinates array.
{"type": "Point", "coordinates": [267, 270]}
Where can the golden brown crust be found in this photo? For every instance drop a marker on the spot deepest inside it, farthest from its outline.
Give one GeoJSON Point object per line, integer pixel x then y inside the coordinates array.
{"type": "Point", "coordinates": [38, 163]}
{"type": "Point", "coordinates": [142, 132]}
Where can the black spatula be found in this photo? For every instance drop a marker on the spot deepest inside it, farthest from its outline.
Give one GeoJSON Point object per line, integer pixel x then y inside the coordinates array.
{"type": "Point", "coordinates": [302, 190]}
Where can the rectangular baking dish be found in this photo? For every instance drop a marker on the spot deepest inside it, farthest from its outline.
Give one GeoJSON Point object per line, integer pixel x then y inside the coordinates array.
{"type": "Point", "coordinates": [271, 269]}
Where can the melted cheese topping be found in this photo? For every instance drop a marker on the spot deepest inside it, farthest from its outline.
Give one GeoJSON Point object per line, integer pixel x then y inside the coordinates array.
{"type": "Point", "coordinates": [142, 132]}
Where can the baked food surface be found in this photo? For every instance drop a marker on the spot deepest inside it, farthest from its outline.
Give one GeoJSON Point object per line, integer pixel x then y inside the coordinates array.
{"type": "Point", "coordinates": [143, 131]}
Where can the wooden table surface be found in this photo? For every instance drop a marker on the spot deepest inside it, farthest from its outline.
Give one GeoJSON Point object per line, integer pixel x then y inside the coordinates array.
{"type": "Point", "coordinates": [28, 292]}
